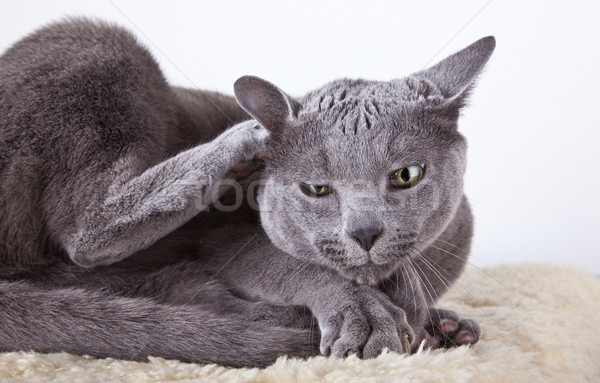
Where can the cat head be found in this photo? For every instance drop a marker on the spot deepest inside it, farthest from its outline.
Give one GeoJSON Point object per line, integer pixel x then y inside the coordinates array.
{"type": "Point", "coordinates": [363, 174]}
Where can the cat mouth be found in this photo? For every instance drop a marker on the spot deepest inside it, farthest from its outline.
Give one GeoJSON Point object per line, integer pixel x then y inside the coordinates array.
{"type": "Point", "coordinates": [363, 267]}
{"type": "Point", "coordinates": [377, 259]}
{"type": "Point", "coordinates": [393, 255]}
{"type": "Point", "coordinates": [370, 273]}
{"type": "Point", "coordinates": [375, 266]}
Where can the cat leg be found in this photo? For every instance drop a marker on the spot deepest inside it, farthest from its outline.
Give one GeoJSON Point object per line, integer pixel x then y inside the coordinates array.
{"type": "Point", "coordinates": [446, 329]}
{"type": "Point", "coordinates": [352, 318]}
{"type": "Point", "coordinates": [188, 283]}
{"type": "Point", "coordinates": [255, 311]}
{"type": "Point", "coordinates": [183, 283]}
{"type": "Point", "coordinates": [281, 316]}
{"type": "Point", "coordinates": [81, 322]}
{"type": "Point", "coordinates": [213, 292]}
{"type": "Point", "coordinates": [405, 291]}
{"type": "Point", "coordinates": [139, 210]}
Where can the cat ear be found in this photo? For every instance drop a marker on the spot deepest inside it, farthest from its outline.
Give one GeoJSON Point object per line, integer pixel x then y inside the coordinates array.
{"type": "Point", "coordinates": [455, 75]}
{"type": "Point", "coordinates": [265, 102]}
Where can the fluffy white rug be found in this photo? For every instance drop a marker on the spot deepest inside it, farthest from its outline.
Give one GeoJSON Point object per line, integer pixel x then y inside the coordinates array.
{"type": "Point", "coordinates": [540, 324]}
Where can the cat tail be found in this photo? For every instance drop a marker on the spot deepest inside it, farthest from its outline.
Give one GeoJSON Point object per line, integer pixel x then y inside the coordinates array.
{"type": "Point", "coordinates": [82, 322]}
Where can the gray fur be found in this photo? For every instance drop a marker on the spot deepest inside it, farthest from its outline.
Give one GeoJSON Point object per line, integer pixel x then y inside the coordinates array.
{"type": "Point", "coordinates": [110, 243]}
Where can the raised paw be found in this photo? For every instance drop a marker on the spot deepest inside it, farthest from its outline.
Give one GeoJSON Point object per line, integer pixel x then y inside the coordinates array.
{"type": "Point", "coordinates": [242, 146]}
{"type": "Point", "coordinates": [446, 329]}
{"type": "Point", "coordinates": [243, 141]}
{"type": "Point", "coordinates": [363, 322]}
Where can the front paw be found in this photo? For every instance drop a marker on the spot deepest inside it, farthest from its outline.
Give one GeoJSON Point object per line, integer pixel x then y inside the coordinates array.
{"type": "Point", "coordinates": [446, 329]}
{"type": "Point", "coordinates": [243, 141]}
{"type": "Point", "coordinates": [364, 322]}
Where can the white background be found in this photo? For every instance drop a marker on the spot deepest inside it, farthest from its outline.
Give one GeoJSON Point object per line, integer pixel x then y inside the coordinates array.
{"type": "Point", "coordinates": [533, 123]}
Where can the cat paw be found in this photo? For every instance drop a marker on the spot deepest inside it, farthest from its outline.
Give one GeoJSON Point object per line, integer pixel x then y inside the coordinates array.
{"type": "Point", "coordinates": [242, 146]}
{"type": "Point", "coordinates": [243, 141]}
{"type": "Point", "coordinates": [363, 322]}
{"type": "Point", "coordinates": [446, 329]}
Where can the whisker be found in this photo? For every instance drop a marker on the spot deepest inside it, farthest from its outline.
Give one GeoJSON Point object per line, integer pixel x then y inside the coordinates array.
{"type": "Point", "coordinates": [423, 277]}
{"type": "Point", "coordinates": [411, 264]}
{"type": "Point", "coordinates": [426, 262]}
{"type": "Point", "coordinates": [461, 249]}
{"type": "Point", "coordinates": [478, 268]}
{"type": "Point", "coordinates": [450, 244]}
{"type": "Point", "coordinates": [435, 272]}
{"type": "Point", "coordinates": [429, 263]}
{"type": "Point", "coordinates": [412, 288]}
{"type": "Point", "coordinates": [311, 333]}
{"type": "Point", "coordinates": [475, 365]}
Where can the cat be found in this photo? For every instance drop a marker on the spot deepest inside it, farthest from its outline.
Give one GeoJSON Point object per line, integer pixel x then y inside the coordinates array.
{"type": "Point", "coordinates": [116, 236]}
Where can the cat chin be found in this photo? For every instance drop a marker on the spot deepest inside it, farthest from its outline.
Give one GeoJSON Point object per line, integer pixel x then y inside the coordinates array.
{"type": "Point", "coordinates": [370, 273]}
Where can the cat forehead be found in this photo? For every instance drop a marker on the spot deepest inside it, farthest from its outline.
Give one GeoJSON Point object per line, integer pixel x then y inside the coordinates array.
{"type": "Point", "coordinates": [362, 108]}
{"type": "Point", "coordinates": [358, 121]}
{"type": "Point", "coordinates": [348, 109]}
{"type": "Point", "coordinates": [349, 95]}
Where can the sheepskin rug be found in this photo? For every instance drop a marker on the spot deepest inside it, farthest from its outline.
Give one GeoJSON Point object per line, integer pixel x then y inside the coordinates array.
{"type": "Point", "coordinates": [540, 323]}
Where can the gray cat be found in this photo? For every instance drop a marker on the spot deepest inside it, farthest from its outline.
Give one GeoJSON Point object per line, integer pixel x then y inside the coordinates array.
{"type": "Point", "coordinates": [118, 239]}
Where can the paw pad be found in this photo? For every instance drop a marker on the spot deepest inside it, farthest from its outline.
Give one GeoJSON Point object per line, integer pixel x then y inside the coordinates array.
{"type": "Point", "coordinates": [446, 329]}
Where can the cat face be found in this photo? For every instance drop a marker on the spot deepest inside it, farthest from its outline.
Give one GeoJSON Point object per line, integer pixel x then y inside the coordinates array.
{"type": "Point", "coordinates": [339, 189]}
{"type": "Point", "coordinates": [360, 174]}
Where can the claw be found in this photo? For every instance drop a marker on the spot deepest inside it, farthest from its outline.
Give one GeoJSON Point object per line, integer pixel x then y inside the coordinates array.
{"type": "Point", "coordinates": [405, 344]}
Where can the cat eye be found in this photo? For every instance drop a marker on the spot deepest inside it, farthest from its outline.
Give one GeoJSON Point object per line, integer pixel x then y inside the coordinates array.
{"type": "Point", "coordinates": [315, 190]}
{"type": "Point", "coordinates": [407, 177]}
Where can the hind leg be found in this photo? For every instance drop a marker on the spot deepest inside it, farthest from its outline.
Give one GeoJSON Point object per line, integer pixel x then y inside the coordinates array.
{"type": "Point", "coordinates": [82, 321]}
{"type": "Point", "coordinates": [185, 283]}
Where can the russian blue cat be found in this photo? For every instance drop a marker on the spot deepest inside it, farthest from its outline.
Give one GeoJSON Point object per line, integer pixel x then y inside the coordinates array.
{"type": "Point", "coordinates": [112, 242]}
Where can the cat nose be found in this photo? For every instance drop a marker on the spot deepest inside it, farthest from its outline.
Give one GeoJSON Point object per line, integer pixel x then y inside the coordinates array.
{"type": "Point", "coordinates": [366, 236]}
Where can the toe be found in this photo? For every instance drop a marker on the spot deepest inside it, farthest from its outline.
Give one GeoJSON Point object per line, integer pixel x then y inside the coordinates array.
{"type": "Point", "coordinates": [465, 337]}
{"type": "Point", "coordinates": [448, 326]}
{"type": "Point", "coordinates": [469, 332]}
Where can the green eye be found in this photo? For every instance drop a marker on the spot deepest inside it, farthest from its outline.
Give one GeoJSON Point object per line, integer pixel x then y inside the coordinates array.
{"type": "Point", "coordinates": [407, 177]}
{"type": "Point", "coordinates": [315, 190]}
